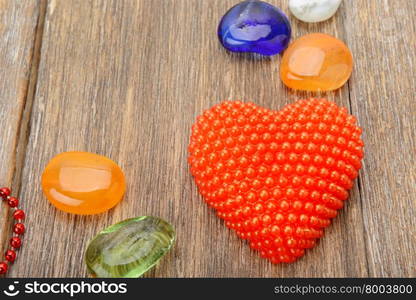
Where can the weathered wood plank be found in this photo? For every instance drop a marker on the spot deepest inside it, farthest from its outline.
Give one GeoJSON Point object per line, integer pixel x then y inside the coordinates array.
{"type": "Point", "coordinates": [383, 88]}
{"type": "Point", "coordinates": [18, 20]}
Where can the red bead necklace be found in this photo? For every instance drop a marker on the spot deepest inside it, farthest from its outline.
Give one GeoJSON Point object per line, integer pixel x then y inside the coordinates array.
{"type": "Point", "coordinates": [18, 229]}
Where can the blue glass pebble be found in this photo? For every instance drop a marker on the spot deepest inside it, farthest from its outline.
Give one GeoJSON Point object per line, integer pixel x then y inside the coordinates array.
{"type": "Point", "coordinates": [254, 26]}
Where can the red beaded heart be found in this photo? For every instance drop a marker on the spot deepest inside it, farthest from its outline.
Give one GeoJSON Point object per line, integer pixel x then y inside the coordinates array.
{"type": "Point", "coordinates": [276, 177]}
{"type": "Point", "coordinates": [18, 229]}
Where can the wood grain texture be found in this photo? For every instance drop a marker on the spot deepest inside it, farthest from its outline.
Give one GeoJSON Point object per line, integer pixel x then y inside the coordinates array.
{"type": "Point", "coordinates": [126, 79]}
{"type": "Point", "coordinates": [18, 22]}
{"type": "Point", "coordinates": [383, 92]}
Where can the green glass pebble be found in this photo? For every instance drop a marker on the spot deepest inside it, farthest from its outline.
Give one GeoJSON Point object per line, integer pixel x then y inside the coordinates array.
{"type": "Point", "coordinates": [129, 248]}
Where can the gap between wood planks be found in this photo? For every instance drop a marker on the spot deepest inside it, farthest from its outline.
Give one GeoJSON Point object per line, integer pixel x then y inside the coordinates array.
{"type": "Point", "coordinates": [22, 134]}
{"type": "Point", "coordinates": [358, 179]}
{"type": "Point", "coordinates": [359, 187]}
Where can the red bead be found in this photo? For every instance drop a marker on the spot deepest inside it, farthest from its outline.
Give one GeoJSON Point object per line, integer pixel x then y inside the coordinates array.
{"type": "Point", "coordinates": [15, 242]}
{"type": "Point", "coordinates": [19, 214]}
{"type": "Point", "coordinates": [13, 202]}
{"type": "Point", "coordinates": [10, 255]}
{"type": "Point", "coordinates": [3, 267]}
{"type": "Point", "coordinates": [5, 192]}
{"type": "Point", "coordinates": [19, 228]}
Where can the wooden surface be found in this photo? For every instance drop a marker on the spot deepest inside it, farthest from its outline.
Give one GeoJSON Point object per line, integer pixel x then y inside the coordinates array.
{"type": "Point", "coordinates": [126, 79]}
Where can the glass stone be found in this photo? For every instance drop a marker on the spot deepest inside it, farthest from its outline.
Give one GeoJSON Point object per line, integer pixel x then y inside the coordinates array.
{"type": "Point", "coordinates": [312, 11]}
{"type": "Point", "coordinates": [83, 183]}
{"type": "Point", "coordinates": [254, 26]}
{"type": "Point", "coordinates": [316, 62]}
{"type": "Point", "coordinates": [130, 248]}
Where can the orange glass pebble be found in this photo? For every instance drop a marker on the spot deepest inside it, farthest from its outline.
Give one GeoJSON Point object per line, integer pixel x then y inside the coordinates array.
{"type": "Point", "coordinates": [316, 62]}
{"type": "Point", "coordinates": [83, 183]}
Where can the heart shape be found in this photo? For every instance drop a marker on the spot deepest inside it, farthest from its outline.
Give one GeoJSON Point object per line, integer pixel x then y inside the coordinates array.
{"type": "Point", "coordinates": [276, 177]}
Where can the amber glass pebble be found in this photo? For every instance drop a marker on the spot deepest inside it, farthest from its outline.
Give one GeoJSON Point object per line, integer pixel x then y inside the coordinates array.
{"type": "Point", "coordinates": [316, 62]}
{"type": "Point", "coordinates": [83, 183]}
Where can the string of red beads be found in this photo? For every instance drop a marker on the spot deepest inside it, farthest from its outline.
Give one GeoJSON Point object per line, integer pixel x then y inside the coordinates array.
{"type": "Point", "coordinates": [18, 229]}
